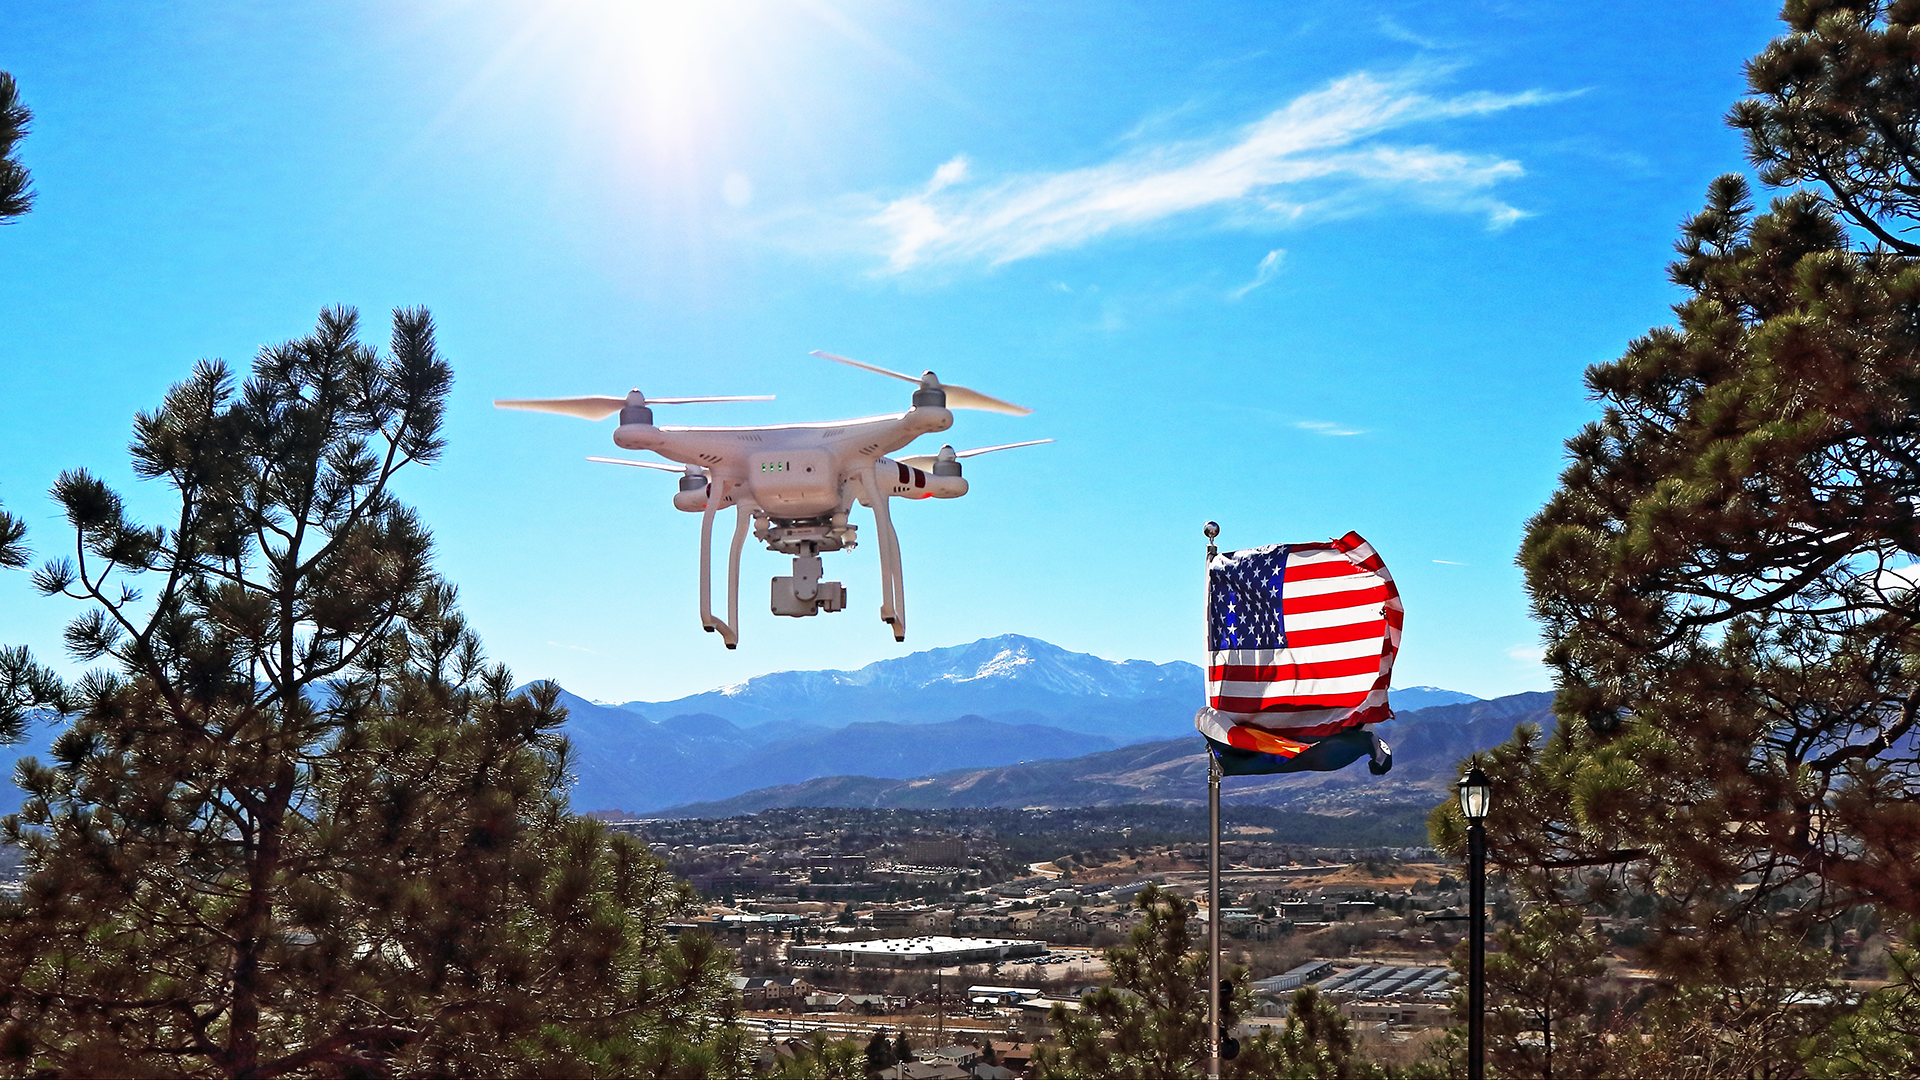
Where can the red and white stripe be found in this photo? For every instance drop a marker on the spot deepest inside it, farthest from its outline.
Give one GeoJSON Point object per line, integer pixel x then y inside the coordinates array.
{"type": "Point", "coordinates": [1342, 615]}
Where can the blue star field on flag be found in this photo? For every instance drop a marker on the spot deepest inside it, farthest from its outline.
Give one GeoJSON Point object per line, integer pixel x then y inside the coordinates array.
{"type": "Point", "coordinates": [1243, 603]}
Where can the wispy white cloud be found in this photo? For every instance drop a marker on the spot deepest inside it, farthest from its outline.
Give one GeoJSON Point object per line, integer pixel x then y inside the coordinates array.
{"type": "Point", "coordinates": [1527, 652]}
{"type": "Point", "coordinates": [1323, 427]}
{"type": "Point", "coordinates": [1393, 28]}
{"type": "Point", "coordinates": [1450, 562]}
{"type": "Point", "coordinates": [1275, 170]}
{"type": "Point", "coordinates": [1262, 274]}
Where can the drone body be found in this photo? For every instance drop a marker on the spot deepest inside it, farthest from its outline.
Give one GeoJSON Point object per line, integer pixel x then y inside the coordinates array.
{"type": "Point", "coordinates": [794, 485]}
{"type": "Point", "coordinates": [789, 470]}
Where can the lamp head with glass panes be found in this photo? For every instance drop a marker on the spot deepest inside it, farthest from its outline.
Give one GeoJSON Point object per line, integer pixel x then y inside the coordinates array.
{"type": "Point", "coordinates": [1476, 795]}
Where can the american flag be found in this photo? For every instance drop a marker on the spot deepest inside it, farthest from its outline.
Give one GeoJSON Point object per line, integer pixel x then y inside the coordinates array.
{"type": "Point", "coordinates": [1300, 644]}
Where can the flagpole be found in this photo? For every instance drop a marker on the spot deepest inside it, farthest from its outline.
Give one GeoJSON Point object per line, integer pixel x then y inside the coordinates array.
{"type": "Point", "coordinates": [1213, 914]}
{"type": "Point", "coordinates": [1213, 881]}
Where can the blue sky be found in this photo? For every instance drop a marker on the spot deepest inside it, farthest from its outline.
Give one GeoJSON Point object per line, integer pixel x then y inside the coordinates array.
{"type": "Point", "coordinates": [1301, 268]}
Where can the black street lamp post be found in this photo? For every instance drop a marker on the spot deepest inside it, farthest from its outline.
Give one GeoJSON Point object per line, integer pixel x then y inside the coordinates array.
{"type": "Point", "coordinates": [1476, 796]}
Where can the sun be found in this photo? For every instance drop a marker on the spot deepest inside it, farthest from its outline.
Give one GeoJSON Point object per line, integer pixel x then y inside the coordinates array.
{"type": "Point", "coordinates": [667, 69]}
{"type": "Point", "coordinates": [662, 111]}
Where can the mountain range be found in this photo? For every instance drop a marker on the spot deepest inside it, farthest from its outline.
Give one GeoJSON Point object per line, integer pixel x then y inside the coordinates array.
{"type": "Point", "coordinates": [1427, 744]}
{"type": "Point", "coordinates": [1000, 703]}
{"type": "Point", "coordinates": [1010, 678]}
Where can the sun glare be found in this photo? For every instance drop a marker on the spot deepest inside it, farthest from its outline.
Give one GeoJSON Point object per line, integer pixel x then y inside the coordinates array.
{"type": "Point", "coordinates": [668, 106]}
{"type": "Point", "coordinates": [677, 88]}
{"type": "Point", "coordinates": [664, 65]}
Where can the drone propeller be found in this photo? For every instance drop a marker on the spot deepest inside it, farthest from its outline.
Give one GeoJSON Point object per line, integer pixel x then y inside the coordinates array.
{"type": "Point", "coordinates": [958, 397]}
{"type": "Point", "coordinates": [599, 408]}
{"type": "Point", "coordinates": [948, 453]}
{"type": "Point", "coordinates": [692, 478]}
{"type": "Point", "coordinates": [663, 466]}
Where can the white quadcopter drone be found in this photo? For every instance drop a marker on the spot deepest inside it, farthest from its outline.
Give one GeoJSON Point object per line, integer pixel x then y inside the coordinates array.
{"type": "Point", "coordinates": [795, 483]}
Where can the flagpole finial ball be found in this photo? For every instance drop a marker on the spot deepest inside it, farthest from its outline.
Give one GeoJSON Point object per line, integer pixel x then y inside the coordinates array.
{"type": "Point", "coordinates": [1212, 530]}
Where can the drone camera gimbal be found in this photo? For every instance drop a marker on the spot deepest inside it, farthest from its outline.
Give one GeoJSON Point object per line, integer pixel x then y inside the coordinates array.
{"type": "Point", "coordinates": [804, 593]}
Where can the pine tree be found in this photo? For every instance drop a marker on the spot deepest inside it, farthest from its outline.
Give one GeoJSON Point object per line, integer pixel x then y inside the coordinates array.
{"type": "Point", "coordinates": [1315, 1043]}
{"type": "Point", "coordinates": [879, 1052]}
{"type": "Point", "coordinates": [1882, 1037]}
{"type": "Point", "coordinates": [16, 184]}
{"type": "Point", "coordinates": [1726, 573]}
{"type": "Point", "coordinates": [818, 1057]}
{"type": "Point", "coordinates": [1539, 976]}
{"type": "Point", "coordinates": [1152, 1020]}
{"type": "Point", "coordinates": [14, 554]}
{"type": "Point", "coordinates": [1752, 1013]}
{"type": "Point", "coordinates": [24, 684]}
{"type": "Point", "coordinates": [297, 823]}
{"type": "Point", "coordinates": [1833, 107]}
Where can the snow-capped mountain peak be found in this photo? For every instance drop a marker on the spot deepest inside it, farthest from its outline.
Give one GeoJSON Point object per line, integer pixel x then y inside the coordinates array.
{"type": "Point", "coordinates": [1005, 675]}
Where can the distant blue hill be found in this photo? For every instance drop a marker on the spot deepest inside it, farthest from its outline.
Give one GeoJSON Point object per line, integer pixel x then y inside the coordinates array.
{"type": "Point", "coordinates": [43, 726]}
{"type": "Point", "coordinates": [996, 702]}
{"type": "Point", "coordinates": [627, 762]}
{"type": "Point", "coordinates": [1427, 743]}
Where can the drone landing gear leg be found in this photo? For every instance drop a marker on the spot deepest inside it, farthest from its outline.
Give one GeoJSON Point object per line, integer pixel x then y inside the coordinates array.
{"type": "Point", "coordinates": [893, 586]}
{"type": "Point", "coordinates": [882, 527]}
{"type": "Point", "coordinates": [707, 621]}
{"type": "Point", "coordinates": [730, 632]}
{"type": "Point", "coordinates": [899, 584]}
